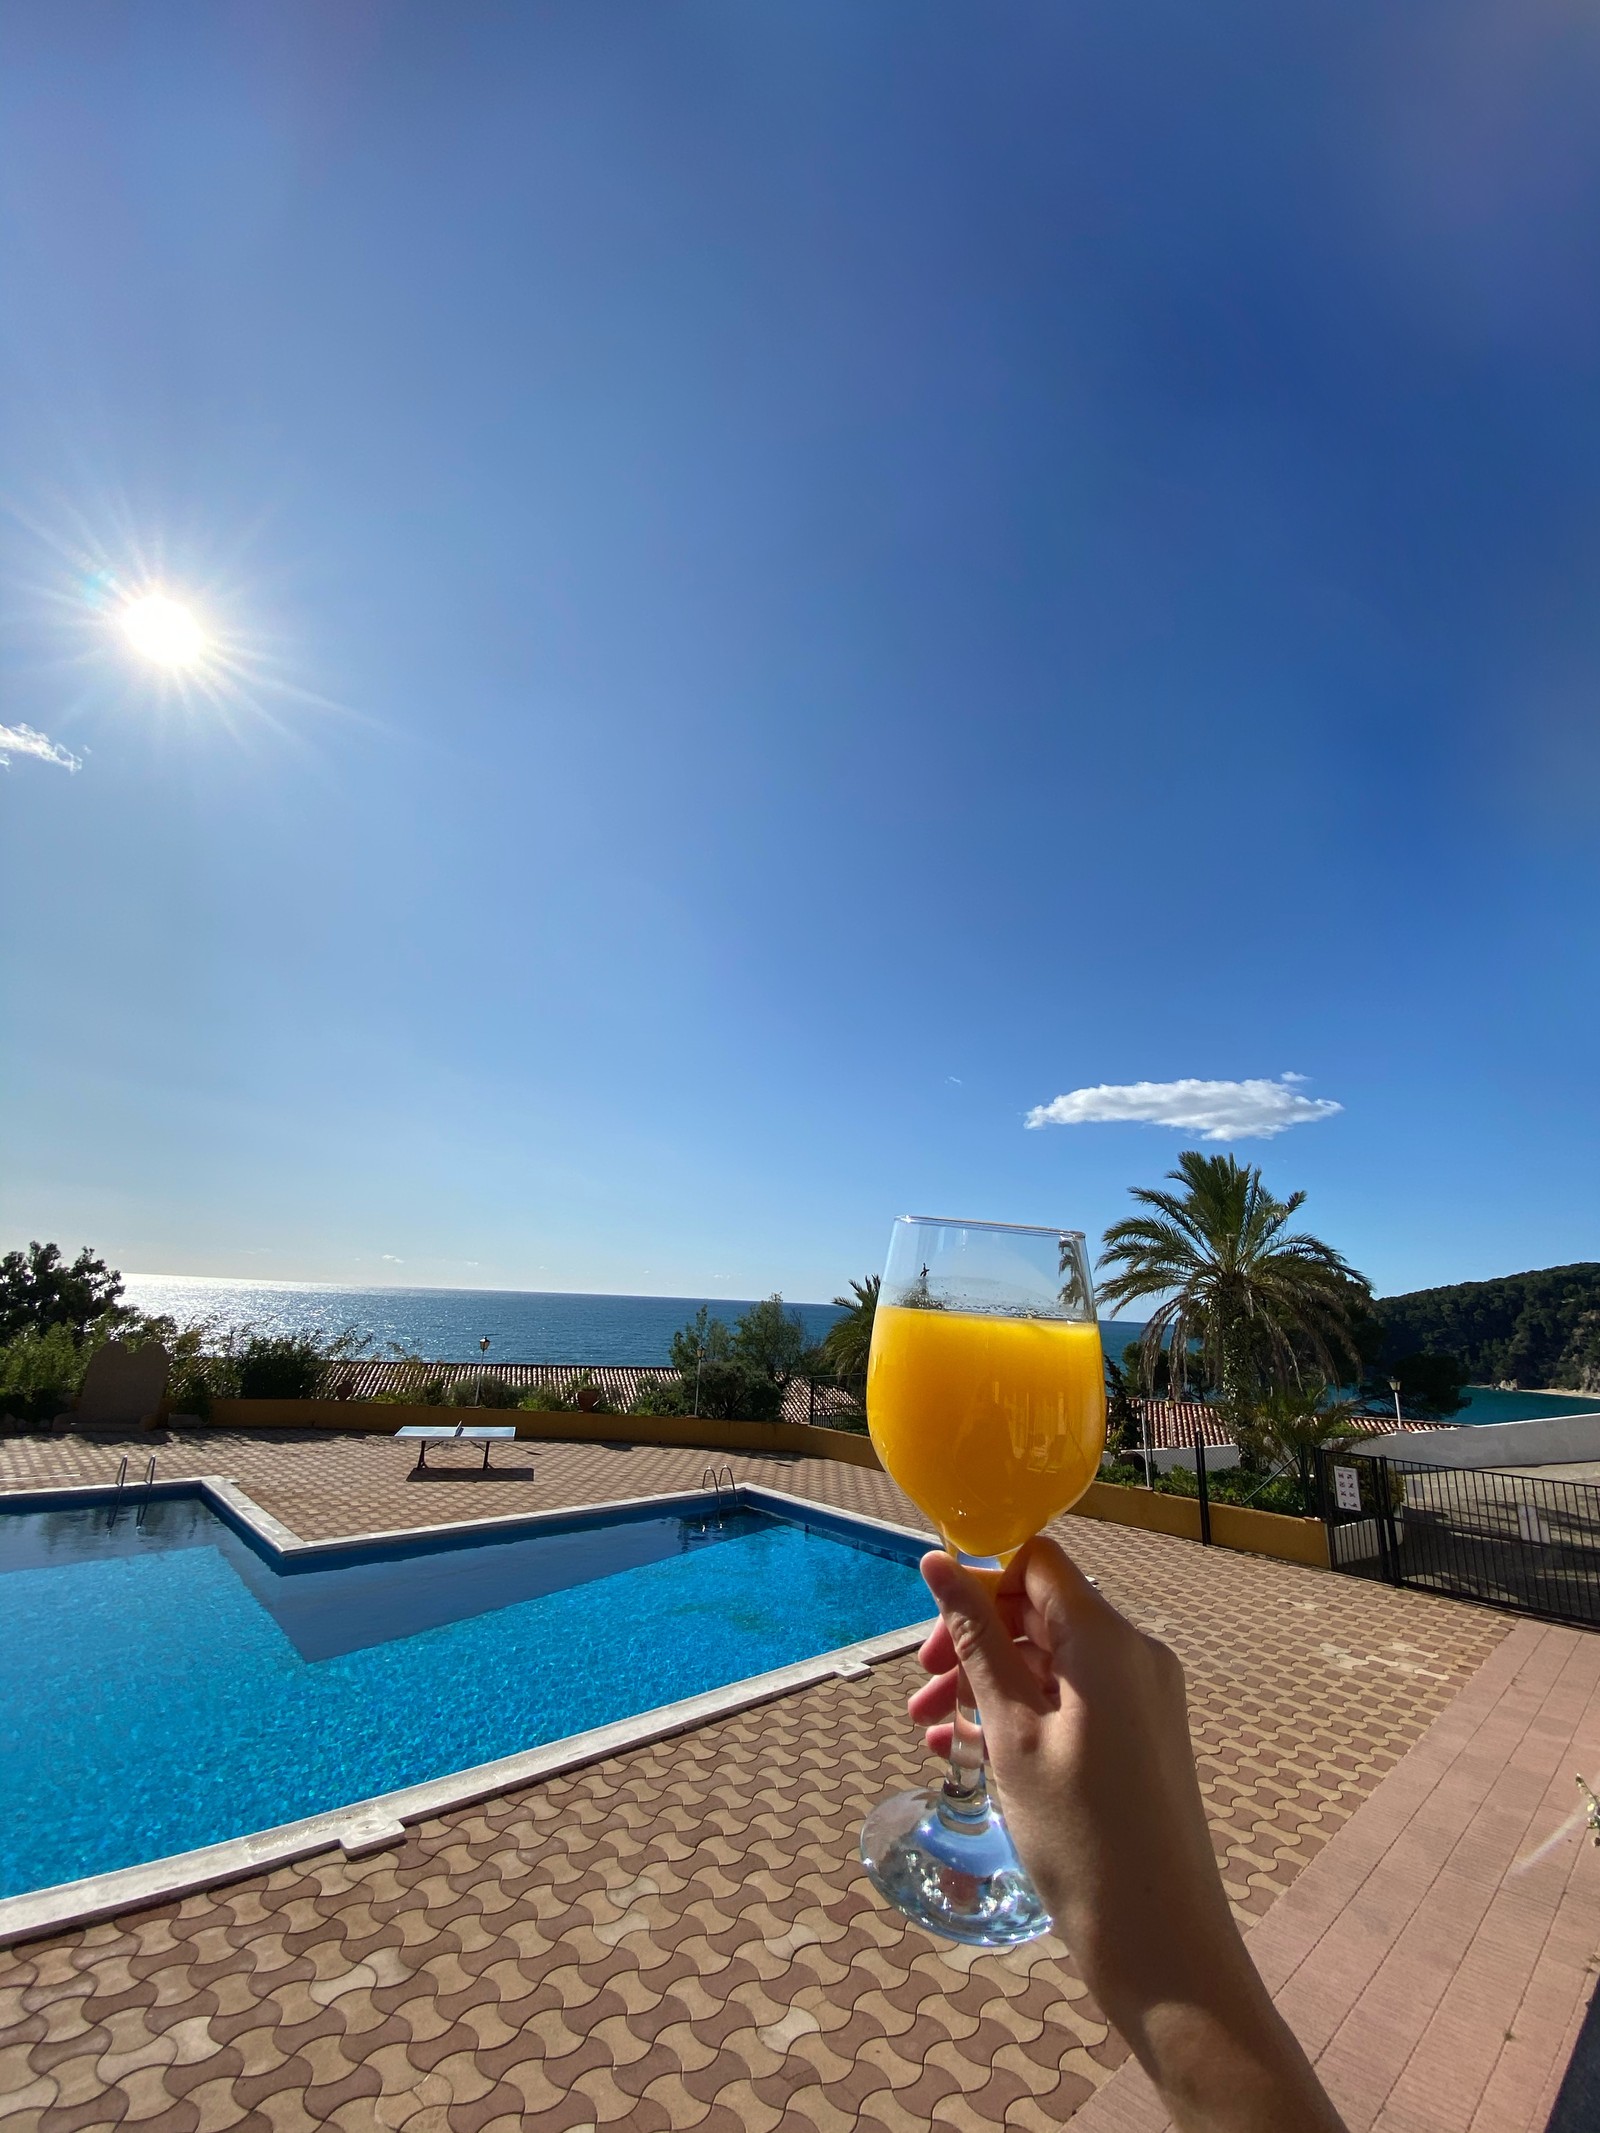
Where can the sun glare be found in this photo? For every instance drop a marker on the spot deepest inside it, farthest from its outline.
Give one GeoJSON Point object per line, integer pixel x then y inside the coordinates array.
{"type": "Point", "coordinates": [163, 631]}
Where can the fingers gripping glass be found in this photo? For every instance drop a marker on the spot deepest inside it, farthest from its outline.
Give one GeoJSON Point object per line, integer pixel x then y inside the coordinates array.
{"type": "Point", "coordinates": [986, 1402]}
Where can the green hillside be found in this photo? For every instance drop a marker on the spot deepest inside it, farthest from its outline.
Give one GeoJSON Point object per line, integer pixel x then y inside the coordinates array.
{"type": "Point", "coordinates": [1532, 1329]}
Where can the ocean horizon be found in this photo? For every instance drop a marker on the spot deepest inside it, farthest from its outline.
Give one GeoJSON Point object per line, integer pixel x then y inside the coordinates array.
{"type": "Point", "coordinates": [572, 1326]}
{"type": "Point", "coordinates": [447, 1325]}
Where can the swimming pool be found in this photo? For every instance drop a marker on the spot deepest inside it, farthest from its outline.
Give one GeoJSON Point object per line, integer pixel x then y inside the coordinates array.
{"type": "Point", "coordinates": [171, 1680]}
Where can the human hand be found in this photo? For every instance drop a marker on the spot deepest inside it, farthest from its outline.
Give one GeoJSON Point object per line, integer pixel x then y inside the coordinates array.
{"type": "Point", "coordinates": [1087, 1732]}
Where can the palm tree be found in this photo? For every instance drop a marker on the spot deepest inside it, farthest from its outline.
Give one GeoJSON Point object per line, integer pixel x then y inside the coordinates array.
{"type": "Point", "coordinates": [845, 1346]}
{"type": "Point", "coordinates": [1262, 1302]}
{"type": "Point", "coordinates": [1292, 1424]}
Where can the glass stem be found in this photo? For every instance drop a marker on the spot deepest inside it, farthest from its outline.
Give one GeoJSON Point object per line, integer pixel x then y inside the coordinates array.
{"type": "Point", "coordinates": [964, 1800]}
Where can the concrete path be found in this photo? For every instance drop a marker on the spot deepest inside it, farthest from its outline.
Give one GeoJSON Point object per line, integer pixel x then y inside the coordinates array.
{"type": "Point", "coordinates": [1437, 1957]}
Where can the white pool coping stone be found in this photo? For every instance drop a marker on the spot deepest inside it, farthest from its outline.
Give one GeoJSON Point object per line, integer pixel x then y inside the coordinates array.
{"type": "Point", "coordinates": [370, 1825]}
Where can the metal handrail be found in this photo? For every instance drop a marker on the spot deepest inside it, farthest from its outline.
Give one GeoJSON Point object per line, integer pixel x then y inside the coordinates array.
{"type": "Point", "coordinates": [116, 1501]}
{"type": "Point", "coordinates": [711, 1478]}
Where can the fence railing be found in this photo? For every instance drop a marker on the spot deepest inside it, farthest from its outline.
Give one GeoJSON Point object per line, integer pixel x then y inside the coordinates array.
{"type": "Point", "coordinates": [1512, 1540]}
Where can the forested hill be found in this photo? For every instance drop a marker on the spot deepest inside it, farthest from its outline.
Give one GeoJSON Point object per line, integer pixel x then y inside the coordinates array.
{"type": "Point", "coordinates": [1531, 1329]}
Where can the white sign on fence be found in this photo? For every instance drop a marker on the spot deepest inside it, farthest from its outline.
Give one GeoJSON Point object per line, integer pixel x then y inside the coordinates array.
{"type": "Point", "coordinates": [1347, 1488]}
{"type": "Point", "coordinates": [1531, 1526]}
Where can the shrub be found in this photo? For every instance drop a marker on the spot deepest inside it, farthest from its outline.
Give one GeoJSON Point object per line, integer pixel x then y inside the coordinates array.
{"type": "Point", "coordinates": [1237, 1485]}
{"type": "Point", "coordinates": [733, 1392]}
{"type": "Point", "coordinates": [563, 1399]}
{"type": "Point", "coordinates": [280, 1366]}
{"type": "Point", "coordinates": [40, 1373]}
{"type": "Point", "coordinates": [484, 1391]}
{"type": "Point", "coordinates": [1124, 1473]}
{"type": "Point", "coordinates": [848, 1419]}
{"type": "Point", "coordinates": [661, 1396]}
{"type": "Point", "coordinates": [546, 1400]}
{"type": "Point", "coordinates": [423, 1389]}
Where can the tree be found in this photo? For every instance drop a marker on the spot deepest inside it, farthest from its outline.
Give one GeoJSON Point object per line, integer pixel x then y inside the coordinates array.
{"type": "Point", "coordinates": [1579, 1365]}
{"type": "Point", "coordinates": [1264, 1303]}
{"type": "Point", "coordinates": [849, 1340]}
{"type": "Point", "coordinates": [1289, 1424]}
{"type": "Point", "coordinates": [770, 1340]}
{"type": "Point", "coordinates": [731, 1376]}
{"type": "Point", "coordinates": [703, 1340]}
{"type": "Point", "coordinates": [1123, 1433]}
{"type": "Point", "coordinates": [1430, 1384]}
{"type": "Point", "coordinates": [39, 1289]}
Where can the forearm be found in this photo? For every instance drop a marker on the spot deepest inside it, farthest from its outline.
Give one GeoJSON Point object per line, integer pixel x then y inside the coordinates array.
{"type": "Point", "coordinates": [1200, 2022]}
{"type": "Point", "coordinates": [1229, 2068]}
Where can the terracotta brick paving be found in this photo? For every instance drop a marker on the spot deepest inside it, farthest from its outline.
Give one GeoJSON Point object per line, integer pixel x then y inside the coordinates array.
{"type": "Point", "coordinates": [679, 1936]}
{"type": "Point", "coordinates": [1437, 1961]}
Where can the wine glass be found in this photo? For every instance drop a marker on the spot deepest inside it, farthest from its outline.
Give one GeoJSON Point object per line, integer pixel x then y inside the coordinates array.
{"type": "Point", "coordinates": [986, 1402]}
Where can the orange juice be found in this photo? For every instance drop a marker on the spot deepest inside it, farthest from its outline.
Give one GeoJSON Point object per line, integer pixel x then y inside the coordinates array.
{"type": "Point", "coordinates": [992, 1426]}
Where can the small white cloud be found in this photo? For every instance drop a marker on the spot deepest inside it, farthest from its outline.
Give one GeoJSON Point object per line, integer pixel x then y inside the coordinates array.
{"type": "Point", "coordinates": [23, 740]}
{"type": "Point", "coordinates": [955, 1081]}
{"type": "Point", "coordinates": [1217, 1110]}
{"type": "Point", "coordinates": [389, 1259]}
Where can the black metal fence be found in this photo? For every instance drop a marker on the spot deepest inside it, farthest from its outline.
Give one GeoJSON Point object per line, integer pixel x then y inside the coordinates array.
{"type": "Point", "coordinates": [1509, 1539]}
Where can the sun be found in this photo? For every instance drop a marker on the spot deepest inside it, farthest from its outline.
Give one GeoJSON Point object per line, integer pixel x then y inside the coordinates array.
{"type": "Point", "coordinates": [163, 631]}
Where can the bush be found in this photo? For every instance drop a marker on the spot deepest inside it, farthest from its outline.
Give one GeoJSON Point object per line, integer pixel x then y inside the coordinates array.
{"type": "Point", "coordinates": [245, 1363]}
{"type": "Point", "coordinates": [733, 1392]}
{"type": "Point", "coordinates": [40, 1373]}
{"type": "Point", "coordinates": [563, 1399]}
{"type": "Point", "coordinates": [484, 1391]}
{"type": "Point", "coordinates": [1124, 1474]}
{"type": "Point", "coordinates": [424, 1388]}
{"type": "Point", "coordinates": [848, 1419]}
{"type": "Point", "coordinates": [546, 1400]}
{"type": "Point", "coordinates": [280, 1366]}
{"type": "Point", "coordinates": [661, 1396]}
{"type": "Point", "coordinates": [1238, 1485]}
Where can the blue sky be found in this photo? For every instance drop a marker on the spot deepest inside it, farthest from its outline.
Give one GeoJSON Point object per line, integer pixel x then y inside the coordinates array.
{"type": "Point", "coordinates": [796, 583]}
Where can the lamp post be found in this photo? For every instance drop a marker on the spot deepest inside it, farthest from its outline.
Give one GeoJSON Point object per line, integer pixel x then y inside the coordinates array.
{"type": "Point", "coordinates": [1394, 1387]}
{"type": "Point", "coordinates": [483, 1350]}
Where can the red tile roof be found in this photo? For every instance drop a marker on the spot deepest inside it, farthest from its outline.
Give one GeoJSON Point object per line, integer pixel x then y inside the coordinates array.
{"type": "Point", "coordinates": [1171, 1424]}
{"type": "Point", "coordinates": [619, 1383]}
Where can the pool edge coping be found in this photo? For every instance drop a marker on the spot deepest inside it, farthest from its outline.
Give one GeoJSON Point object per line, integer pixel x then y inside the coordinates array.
{"type": "Point", "coordinates": [372, 1824]}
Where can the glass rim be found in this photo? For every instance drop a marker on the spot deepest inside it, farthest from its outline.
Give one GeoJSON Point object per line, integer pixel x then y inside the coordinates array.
{"type": "Point", "coordinates": [1010, 1229]}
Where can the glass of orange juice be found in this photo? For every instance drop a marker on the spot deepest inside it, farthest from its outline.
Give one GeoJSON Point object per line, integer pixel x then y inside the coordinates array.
{"type": "Point", "coordinates": [986, 1403]}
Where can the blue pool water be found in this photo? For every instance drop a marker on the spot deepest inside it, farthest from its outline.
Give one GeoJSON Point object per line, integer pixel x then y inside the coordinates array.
{"type": "Point", "coordinates": [164, 1686]}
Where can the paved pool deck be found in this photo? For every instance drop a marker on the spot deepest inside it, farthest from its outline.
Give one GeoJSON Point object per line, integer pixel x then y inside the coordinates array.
{"type": "Point", "coordinates": [679, 1936]}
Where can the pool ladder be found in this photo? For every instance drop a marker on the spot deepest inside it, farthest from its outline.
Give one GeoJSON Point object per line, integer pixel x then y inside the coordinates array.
{"type": "Point", "coordinates": [712, 1479]}
{"type": "Point", "coordinates": [122, 1483]}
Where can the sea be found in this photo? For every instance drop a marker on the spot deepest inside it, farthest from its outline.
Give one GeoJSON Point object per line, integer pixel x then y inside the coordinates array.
{"type": "Point", "coordinates": [449, 1325]}
{"type": "Point", "coordinates": [551, 1326]}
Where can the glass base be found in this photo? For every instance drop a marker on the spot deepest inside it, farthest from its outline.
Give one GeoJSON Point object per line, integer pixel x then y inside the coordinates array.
{"type": "Point", "coordinates": [960, 1878]}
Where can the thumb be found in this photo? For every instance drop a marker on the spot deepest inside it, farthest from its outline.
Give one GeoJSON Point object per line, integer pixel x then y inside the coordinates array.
{"type": "Point", "coordinates": [983, 1644]}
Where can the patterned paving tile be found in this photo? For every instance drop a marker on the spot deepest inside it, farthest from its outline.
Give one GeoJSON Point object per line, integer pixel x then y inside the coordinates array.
{"type": "Point", "coordinates": [679, 1937]}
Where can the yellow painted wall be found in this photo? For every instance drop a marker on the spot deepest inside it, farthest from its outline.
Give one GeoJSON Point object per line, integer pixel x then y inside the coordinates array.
{"type": "Point", "coordinates": [379, 1419]}
{"type": "Point", "coordinates": [1290, 1540]}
